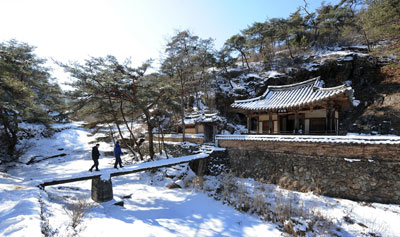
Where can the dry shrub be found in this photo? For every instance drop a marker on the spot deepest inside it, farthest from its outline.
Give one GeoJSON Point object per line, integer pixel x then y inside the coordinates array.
{"type": "Point", "coordinates": [289, 228]}
{"type": "Point", "coordinates": [77, 211]}
{"type": "Point", "coordinates": [291, 213]}
{"type": "Point", "coordinates": [259, 205]}
{"type": "Point", "coordinates": [285, 208]}
{"type": "Point", "coordinates": [198, 181]}
{"type": "Point", "coordinates": [228, 186]}
{"type": "Point", "coordinates": [320, 224]}
{"type": "Point", "coordinates": [243, 200]}
{"type": "Point", "coordinates": [188, 182]}
{"type": "Point", "coordinates": [288, 212]}
{"type": "Point", "coordinates": [376, 227]}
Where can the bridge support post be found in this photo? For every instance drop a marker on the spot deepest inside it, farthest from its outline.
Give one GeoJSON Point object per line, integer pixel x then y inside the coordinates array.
{"type": "Point", "coordinates": [101, 190]}
{"type": "Point", "coordinates": [201, 168]}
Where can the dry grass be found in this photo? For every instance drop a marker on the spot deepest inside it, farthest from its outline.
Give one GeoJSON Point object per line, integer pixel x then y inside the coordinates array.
{"type": "Point", "coordinates": [228, 186]}
{"type": "Point", "coordinates": [198, 181]}
{"type": "Point", "coordinates": [286, 210]}
{"type": "Point", "coordinates": [375, 227]}
{"type": "Point", "coordinates": [77, 211]}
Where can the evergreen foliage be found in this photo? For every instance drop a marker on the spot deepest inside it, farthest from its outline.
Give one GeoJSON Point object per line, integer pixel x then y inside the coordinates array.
{"type": "Point", "coordinates": [349, 22]}
{"type": "Point", "coordinates": [381, 19]}
{"type": "Point", "coordinates": [186, 65]}
{"type": "Point", "coordinates": [113, 94]}
{"type": "Point", "coordinates": [27, 93]}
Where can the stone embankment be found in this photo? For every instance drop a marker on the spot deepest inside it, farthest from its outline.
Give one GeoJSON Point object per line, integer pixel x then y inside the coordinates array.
{"type": "Point", "coordinates": [359, 169]}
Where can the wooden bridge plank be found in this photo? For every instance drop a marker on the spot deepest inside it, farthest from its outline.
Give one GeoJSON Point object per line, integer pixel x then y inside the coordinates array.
{"type": "Point", "coordinates": [156, 166]}
{"type": "Point", "coordinates": [69, 180]}
{"type": "Point", "coordinates": [127, 170]}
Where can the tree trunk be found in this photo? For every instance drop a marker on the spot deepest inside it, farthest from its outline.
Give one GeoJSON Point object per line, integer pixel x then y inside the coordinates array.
{"type": "Point", "coordinates": [12, 142]}
{"type": "Point", "coordinates": [116, 123]}
{"type": "Point", "coordinates": [10, 131]}
{"type": "Point", "coordinates": [150, 131]}
{"type": "Point", "coordinates": [131, 134]}
{"type": "Point", "coordinates": [245, 58]}
{"type": "Point", "coordinates": [229, 77]}
{"type": "Point", "coordinates": [366, 40]}
{"type": "Point", "coordinates": [111, 132]}
{"type": "Point", "coordinates": [288, 45]}
{"type": "Point", "coordinates": [182, 110]}
{"type": "Point", "coordinates": [160, 149]}
{"type": "Point", "coordinates": [162, 140]}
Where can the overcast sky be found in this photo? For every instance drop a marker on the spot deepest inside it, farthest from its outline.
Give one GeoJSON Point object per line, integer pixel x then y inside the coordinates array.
{"type": "Point", "coordinates": [73, 30]}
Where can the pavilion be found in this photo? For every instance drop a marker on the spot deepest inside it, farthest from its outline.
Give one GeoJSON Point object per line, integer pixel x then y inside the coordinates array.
{"type": "Point", "coordinates": [300, 108]}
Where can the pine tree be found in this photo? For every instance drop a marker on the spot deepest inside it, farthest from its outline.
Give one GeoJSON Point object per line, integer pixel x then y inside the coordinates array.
{"type": "Point", "coordinates": [381, 19]}
{"type": "Point", "coordinates": [26, 91]}
{"type": "Point", "coordinates": [239, 43]}
{"type": "Point", "coordinates": [224, 60]}
{"type": "Point", "coordinates": [180, 67]}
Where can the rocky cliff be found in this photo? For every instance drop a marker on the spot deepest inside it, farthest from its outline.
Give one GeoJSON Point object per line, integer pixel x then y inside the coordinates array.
{"type": "Point", "coordinates": [375, 80]}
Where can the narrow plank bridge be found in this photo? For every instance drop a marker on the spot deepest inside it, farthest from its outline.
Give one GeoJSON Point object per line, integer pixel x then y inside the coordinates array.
{"type": "Point", "coordinates": [101, 180]}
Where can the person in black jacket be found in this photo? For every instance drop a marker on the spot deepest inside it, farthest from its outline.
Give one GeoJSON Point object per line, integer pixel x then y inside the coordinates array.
{"type": "Point", "coordinates": [95, 157]}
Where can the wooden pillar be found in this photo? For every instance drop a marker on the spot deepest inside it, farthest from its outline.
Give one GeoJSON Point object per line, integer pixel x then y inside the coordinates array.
{"type": "Point", "coordinates": [332, 119]}
{"type": "Point", "coordinates": [201, 167]}
{"type": "Point", "coordinates": [258, 123]}
{"type": "Point", "coordinates": [337, 122]}
{"type": "Point", "coordinates": [214, 133]}
{"type": "Point", "coordinates": [296, 122]}
{"type": "Point", "coordinates": [248, 123]}
{"type": "Point", "coordinates": [270, 123]}
{"type": "Point", "coordinates": [327, 120]}
{"type": "Point", "coordinates": [278, 129]}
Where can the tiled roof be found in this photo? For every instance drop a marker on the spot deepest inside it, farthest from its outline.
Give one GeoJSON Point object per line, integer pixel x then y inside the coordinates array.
{"type": "Point", "coordinates": [201, 118]}
{"type": "Point", "coordinates": [293, 96]}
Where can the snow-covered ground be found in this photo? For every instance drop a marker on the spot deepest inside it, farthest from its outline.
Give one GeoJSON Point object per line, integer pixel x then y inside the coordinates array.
{"type": "Point", "coordinates": [216, 206]}
{"type": "Point", "coordinates": [151, 209]}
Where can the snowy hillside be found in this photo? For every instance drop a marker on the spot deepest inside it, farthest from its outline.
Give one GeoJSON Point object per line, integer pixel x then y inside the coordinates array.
{"type": "Point", "coordinates": [375, 109]}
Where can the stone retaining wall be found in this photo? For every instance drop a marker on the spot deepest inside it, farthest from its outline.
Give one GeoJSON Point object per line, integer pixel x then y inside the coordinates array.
{"type": "Point", "coordinates": [354, 171]}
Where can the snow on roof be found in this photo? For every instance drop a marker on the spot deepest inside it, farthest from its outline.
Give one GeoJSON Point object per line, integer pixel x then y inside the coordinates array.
{"type": "Point", "coordinates": [315, 139]}
{"type": "Point", "coordinates": [273, 73]}
{"type": "Point", "coordinates": [179, 135]}
{"type": "Point", "coordinates": [252, 75]}
{"type": "Point", "coordinates": [294, 95]}
{"type": "Point", "coordinates": [196, 118]}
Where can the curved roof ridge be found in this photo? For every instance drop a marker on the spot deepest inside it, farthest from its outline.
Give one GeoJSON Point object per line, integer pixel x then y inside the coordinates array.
{"type": "Point", "coordinates": [251, 99]}
{"type": "Point", "coordinates": [294, 95]}
{"type": "Point", "coordinates": [334, 88]}
{"type": "Point", "coordinates": [295, 85]}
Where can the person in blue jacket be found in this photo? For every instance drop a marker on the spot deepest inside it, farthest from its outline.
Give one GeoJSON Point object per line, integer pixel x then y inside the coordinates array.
{"type": "Point", "coordinates": [117, 154]}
